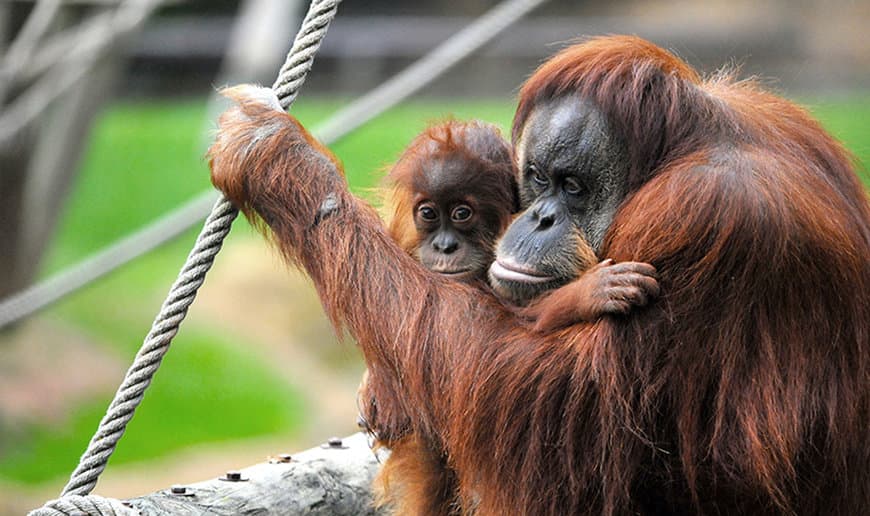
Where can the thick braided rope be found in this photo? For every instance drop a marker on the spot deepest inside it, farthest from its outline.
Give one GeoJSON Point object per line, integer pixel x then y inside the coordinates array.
{"type": "Point", "coordinates": [156, 344]}
{"type": "Point", "coordinates": [192, 275]}
{"type": "Point", "coordinates": [301, 55]}
{"type": "Point", "coordinates": [90, 505]}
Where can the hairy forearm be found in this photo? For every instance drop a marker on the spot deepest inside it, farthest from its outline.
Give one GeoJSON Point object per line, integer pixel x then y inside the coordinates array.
{"type": "Point", "coordinates": [391, 306]}
{"type": "Point", "coordinates": [270, 167]}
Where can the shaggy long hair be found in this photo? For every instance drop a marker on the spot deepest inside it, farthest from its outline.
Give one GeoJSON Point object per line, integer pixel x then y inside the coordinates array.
{"type": "Point", "coordinates": [745, 389]}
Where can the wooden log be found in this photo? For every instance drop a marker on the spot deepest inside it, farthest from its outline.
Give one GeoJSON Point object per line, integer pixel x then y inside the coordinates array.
{"type": "Point", "coordinates": [332, 479]}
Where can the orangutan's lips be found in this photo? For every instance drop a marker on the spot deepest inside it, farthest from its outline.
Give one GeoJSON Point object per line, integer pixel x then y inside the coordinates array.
{"type": "Point", "coordinates": [456, 272]}
{"type": "Point", "coordinates": [451, 272]}
{"type": "Point", "coordinates": [510, 271]}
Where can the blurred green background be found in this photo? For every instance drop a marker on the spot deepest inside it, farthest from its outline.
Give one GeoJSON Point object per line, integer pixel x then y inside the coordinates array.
{"type": "Point", "coordinates": [256, 369]}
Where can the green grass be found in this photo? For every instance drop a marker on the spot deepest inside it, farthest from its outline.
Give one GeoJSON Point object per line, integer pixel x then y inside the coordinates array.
{"type": "Point", "coordinates": [847, 119]}
{"type": "Point", "coordinates": [208, 389]}
{"type": "Point", "coordinates": [145, 159]}
{"type": "Point", "coordinates": [205, 391]}
{"type": "Point", "coordinates": [142, 162]}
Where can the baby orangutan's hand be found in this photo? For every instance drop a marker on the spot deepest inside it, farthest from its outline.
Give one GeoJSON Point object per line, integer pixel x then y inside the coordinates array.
{"type": "Point", "coordinates": [606, 288]}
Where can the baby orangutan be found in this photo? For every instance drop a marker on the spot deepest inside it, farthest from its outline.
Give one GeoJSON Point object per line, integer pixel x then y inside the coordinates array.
{"type": "Point", "coordinates": [451, 194]}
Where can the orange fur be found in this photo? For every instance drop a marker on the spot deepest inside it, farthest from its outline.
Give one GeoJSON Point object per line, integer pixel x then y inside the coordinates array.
{"type": "Point", "coordinates": [416, 478]}
{"type": "Point", "coordinates": [744, 390]}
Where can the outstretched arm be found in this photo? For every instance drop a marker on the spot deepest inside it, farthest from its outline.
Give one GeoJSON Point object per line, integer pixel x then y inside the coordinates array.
{"type": "Point", "coordinates": [273, 170]}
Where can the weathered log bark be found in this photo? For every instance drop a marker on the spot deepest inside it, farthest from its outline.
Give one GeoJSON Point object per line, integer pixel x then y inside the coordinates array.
{"type": "Point", "coordinates": [329, 480]}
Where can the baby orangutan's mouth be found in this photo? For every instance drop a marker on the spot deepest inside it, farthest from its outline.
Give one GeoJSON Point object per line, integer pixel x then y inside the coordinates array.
{"type": "Point", "coordinates": [452, 272]}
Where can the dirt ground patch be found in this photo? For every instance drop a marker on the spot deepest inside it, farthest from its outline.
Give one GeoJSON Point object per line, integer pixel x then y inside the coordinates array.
{"type": "Point", "coordinates": [251, 293]}
{"type": "Point", "coordinates": [37, 383]}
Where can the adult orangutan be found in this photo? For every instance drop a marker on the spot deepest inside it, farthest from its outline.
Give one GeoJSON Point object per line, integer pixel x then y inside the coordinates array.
{"type": "Point", "coordinates": [450, 195]}
{"type": "Point", "coordinates": [744, 389]}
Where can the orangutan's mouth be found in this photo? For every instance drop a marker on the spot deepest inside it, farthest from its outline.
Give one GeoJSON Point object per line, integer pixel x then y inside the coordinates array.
{"type": "Point", "coordinates": [509, 271]}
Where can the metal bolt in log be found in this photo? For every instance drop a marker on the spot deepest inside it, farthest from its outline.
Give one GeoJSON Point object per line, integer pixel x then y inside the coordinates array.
{"type": "Point", "coordinates": [179, 490]}
{"type": "Point", "coordinates": [334, 443]}
{"type": "Point", "coordinates": [234, 476]}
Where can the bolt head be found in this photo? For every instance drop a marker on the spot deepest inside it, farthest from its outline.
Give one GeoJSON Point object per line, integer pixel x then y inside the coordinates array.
{"type": "Point", "coordinates": [234, 475]}
{"type": "Point", "coordinates": [176, 489]}
{"type": "Point", "coordinates": [334, 442]}
{"type": "Point", "coordinates": [285, 457]}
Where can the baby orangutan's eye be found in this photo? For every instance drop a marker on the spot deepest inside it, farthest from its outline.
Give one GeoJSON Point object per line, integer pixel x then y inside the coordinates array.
{"type": "Point", "coordinates": [461, 213]}
{"type": "Point", "coordinates": [427, 213]}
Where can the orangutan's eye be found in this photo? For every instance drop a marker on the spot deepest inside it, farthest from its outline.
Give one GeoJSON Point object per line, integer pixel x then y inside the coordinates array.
{"type": "Point", "coordinates": [536, 175]}
{"type": "Point", "coordinates": [428, 213]}
{"type": "Point", "coordinates": [572, 186]}
{"type": "Point", "coordinates": [461, 213]}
